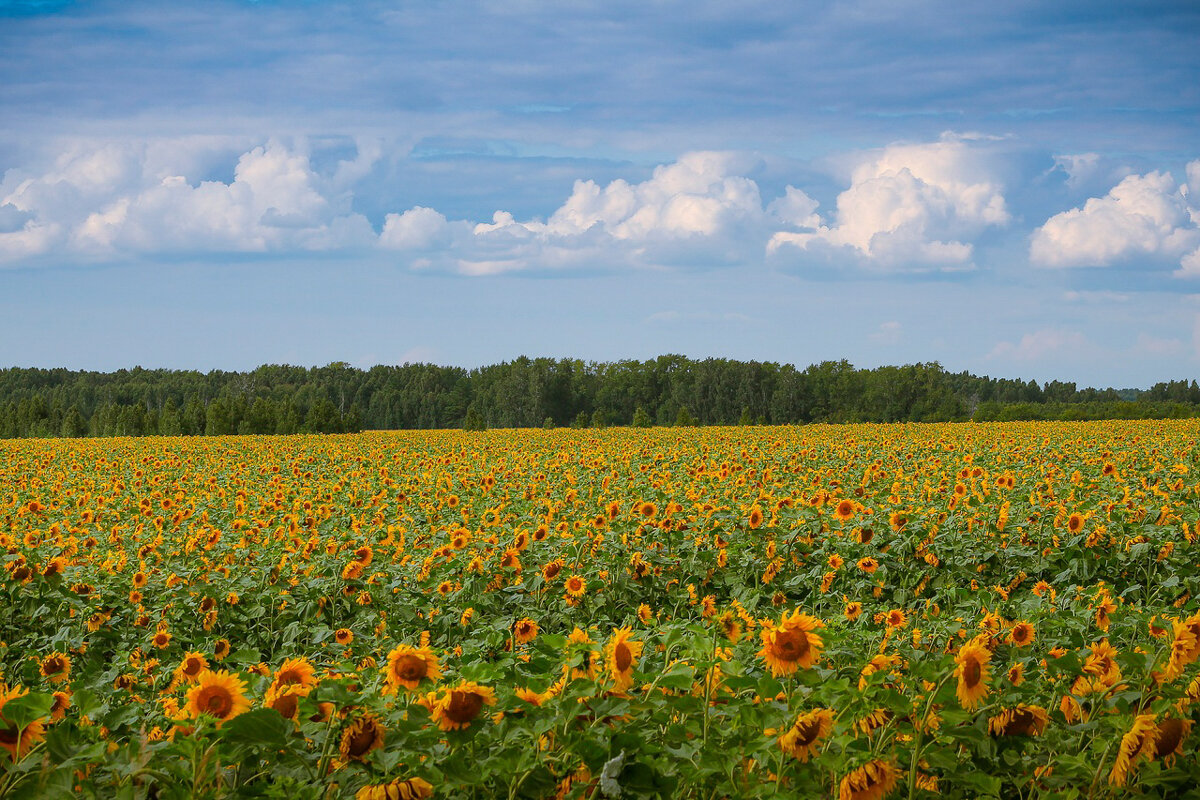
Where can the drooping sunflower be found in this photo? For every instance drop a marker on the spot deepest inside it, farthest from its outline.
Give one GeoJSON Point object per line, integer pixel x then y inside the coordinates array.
{"type": "Point", "coordinates": [803, 739]}
{"type": "Point", "coordinates": [620, 655]}
{"type": "Point", "coordinates": [192, 665]}
{"type": "Point", "coordinates": [459, 705]}
{"type": "Point", "coordinates": [62, 701]}
{"type": "Point", "coordinates": [872, 781]}
{"type": "Point", "coordinates": [1021, 720]}
{"type": "Point", "coordinates": [56, 667]}
{"type": "Point", "coordinates": [13, 740]}
{"type": "Point", "coordinates": [1138, 743]}
{"type": "Point", "coordinates": [398, 789]}
{"type": "Point", "coordinates": [407, 666]}
{"type": "Point", "coordinates": [792, 643]}
{"type": "Point", "coordinates": [525, 630]}
{"type": "Point", "coordinates": [296, 670]}
{"type": "Point", "coordinates": [1171, 733]}
{"type": "Point", "coordinates": [360, 737]}
{"type": "Point", "coordinates": [221, 695]}
{"type": "Point", "coordinates": [972, 673]}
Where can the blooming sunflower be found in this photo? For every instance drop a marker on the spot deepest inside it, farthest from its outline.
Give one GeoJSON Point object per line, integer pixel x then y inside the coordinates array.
{"type": "Point", "coordinates": [868, 565]}
{"type": "Point", "coordinates": [791, 644]}
{"type": "Point", "coordinates": [360, 737]}
{"type": "Point", "coordinates": [525, 630]}
{"type": "Point", "coordinates": [459, 705]}
{"type": "Point", "coordinates": [1022, 634]}
{"type": "Point", "coordinates": [853, 610]}
{"type": "Point", "coordinates": [803, 739]}
{"type": "Point", "coordinates": [575, 586]}
{"type": "Point", "coordinates": [221, 695]}
{"type": "Point", "coordinates": [398, 789]}
{"type": "Point", "coordinates": [56, 667]}
{"type": "Point", "coordinates": [17, 741]}
{"type": "Point", "coordinates": [192, 665]}
{"type": "Point", "coordinates": [407, 666]}
{"type": "Point", "coordinates": [620, 654]}
{"type": "Point", "coordinates": [296, 670]}
{"type": "Point", "coordinates": [1022, 720]}
{"type": "Point", "coordinates": [872, 781]}
{"type": "Point", "coordinates": [972, 673]}
{"type": "Point", "coordinates": [844, 510]}
{"type": "Point", "coordinates": [343, 636]}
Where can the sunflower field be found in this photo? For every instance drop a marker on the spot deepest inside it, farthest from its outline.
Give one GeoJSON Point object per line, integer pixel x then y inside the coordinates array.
{"type": "Point", "coordinates": [852, 612]}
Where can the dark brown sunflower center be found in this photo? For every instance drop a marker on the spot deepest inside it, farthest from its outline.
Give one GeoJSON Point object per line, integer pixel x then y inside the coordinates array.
{"type": "Point", "coordinates": [806, 731]}
{"type": "Point", "coordinates": [1021, 723]}
{"type": "Point", "coordinates": [192, 666]}
{"type": "Point", "coordinates": [410, 668]}
{"type": "Point", "coordinates": [972, 672]}
{"type": "Point", "coordinates": [8, 735]}
{"type": "Point", "coordinates": [622, 656]}
{"type": "Point", "coordinates": [791, 645]}
{"type": "Point", "coordinates": [1170, 732]}
{"type": "Point", "coordinates": [216, 701]}
{"type": "Point", "coordinates": [53, 666]}
{"type": "Point", "coordinates": [463, 706]}
{"type": "Point", "coordinates": [361, 740]}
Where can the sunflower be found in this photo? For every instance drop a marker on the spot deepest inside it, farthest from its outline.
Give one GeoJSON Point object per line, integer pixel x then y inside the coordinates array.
{"type": "Point", "coordinates": [286, 698]}
{"type": "Point", "coordinates": [296, 670]}
{"type": "Point", "coordinates": [343, 636]}
{"type": "Point", "coordinates": [1171, 733]}
{"type": "Point", "coordinates": [551, 570]}
{"type": "Point", "coordinates": [398, 789]}
{"type": "Point", "coordinates": [525, 630]}
{"type": "Point", "coordinates": [730, 626]}
{"type": "Point", "coordinates": [575, 586]}
{"type": "Point", "coordinates": [620, 654]}
{"type": "Point", "coordinates": [791, 644]}
{"type": "Point", "coordinates": [868, 565]}
{"type": "Point", "coordinates": [1022, 720]}
{"type": "Point", "coordinates": [645, 613]}
{"type": "Point", "coordinates": [802, 740]}
{"type": "Point", "coordinates": [972, 673]}
{"type": "Point", "coordinates": [1136, 744]}
{"type": "Point", "coordinates": [360, 737]}
{"type": "Point", "coordinates": [896, 618]}
{"type": "Point", "coordinates": [1075, 523]}
{"type": "Point", "coordinates": [17, 741]}
{"type": "Point", "coordinates": [62, 701]}
{"type": "Point", "coordinates": [407, 666]}
{"type": "Point", "coordinates": [56, 667]}
{"type": "Point", "coordinates": [221, 649]}
{"type": "Point", "coordinates": [162, 640]}
{"type": "Point", "coordinates": [647, 509]}
{"type": "Point", "coordinates": [843, 510]}
{"type": "Point", "coordinates": [221, 695]}
{"type": "Point", "coordinates": [192, 665]}
{"type": "Point", "coordinates": [853, 610]}
{"type": "Point", "coordinates": [756, 517]}
{"type": "Point", "coordinates": [1022, 634]}
{"type": "Point", "coordinates": [872, 781]}
{"type": "Point", "coordinates": [458, 706]}
{"type": "Point", "coordinates": [530, 696]}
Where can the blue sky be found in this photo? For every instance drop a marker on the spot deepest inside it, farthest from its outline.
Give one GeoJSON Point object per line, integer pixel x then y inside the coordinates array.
{"type": "Point", "coordinates": [1011, 189]}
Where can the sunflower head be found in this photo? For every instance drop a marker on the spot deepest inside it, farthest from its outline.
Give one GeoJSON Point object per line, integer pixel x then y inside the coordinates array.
{"type": "Point", "coordinates": [803, 739]}
{"type": "Point", "coordinates": [14, 740]}
{"type": "Point", "coordinates": [872, 781]}
{"type": "Point", "coordinates": [407, 666]}
{"type": "Point", "coordinates": [620, 655]}
{"type": "Point", "coordinates": [221, 695]}
{"type": "Point", "coordinates": [192, 665]}
{"type": "Point", "coordinates": [56, 667]}
{"type": "Point", "coordinates": [295, 670]}
{"type": "Point", "coordinates": [972, 673]}
{"type": "Point", "coordinates": [792, 643]}
{"type": "Point", "coordinates": [458, 706]}
{"type": "Point", "coordinates": [360, 737]}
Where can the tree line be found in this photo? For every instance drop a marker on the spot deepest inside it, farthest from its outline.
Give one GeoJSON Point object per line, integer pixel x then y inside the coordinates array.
{"type": "Point", "coordinates": [543, 392]}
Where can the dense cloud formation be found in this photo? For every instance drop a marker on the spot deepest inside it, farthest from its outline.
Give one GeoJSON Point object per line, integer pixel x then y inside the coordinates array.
{"type": "Point", "coordinates": [1144, 216]}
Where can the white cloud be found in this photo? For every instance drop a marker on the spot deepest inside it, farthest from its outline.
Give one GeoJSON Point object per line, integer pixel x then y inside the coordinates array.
{"type": "Point", "coordinates": [102, 200]}
{"type": "Point", "coordinates": [1079, 167]}
{"type": "Point", "coordinates": [911, 205]}
{"type": "Point", "coordinates": [696, 211]}
{"type": "Point", "coordinates": [1147, 216]}
{"type": "Point", "coordinates": [1040, 344]}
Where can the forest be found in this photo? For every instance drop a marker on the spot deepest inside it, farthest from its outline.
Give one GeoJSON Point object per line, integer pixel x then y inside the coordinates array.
{"type": "Point", "coordinates": [544, 392]}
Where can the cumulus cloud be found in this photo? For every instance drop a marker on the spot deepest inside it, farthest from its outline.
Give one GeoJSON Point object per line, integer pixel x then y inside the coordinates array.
{"type": "Point", "coordinates": [910, 205]}
{"type": "Point", "coordinates": [1144, 216]}
{"type": "Point", "coordinates": [697, 211]}
{"type": "Point", "coordinates": [102, 200]}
